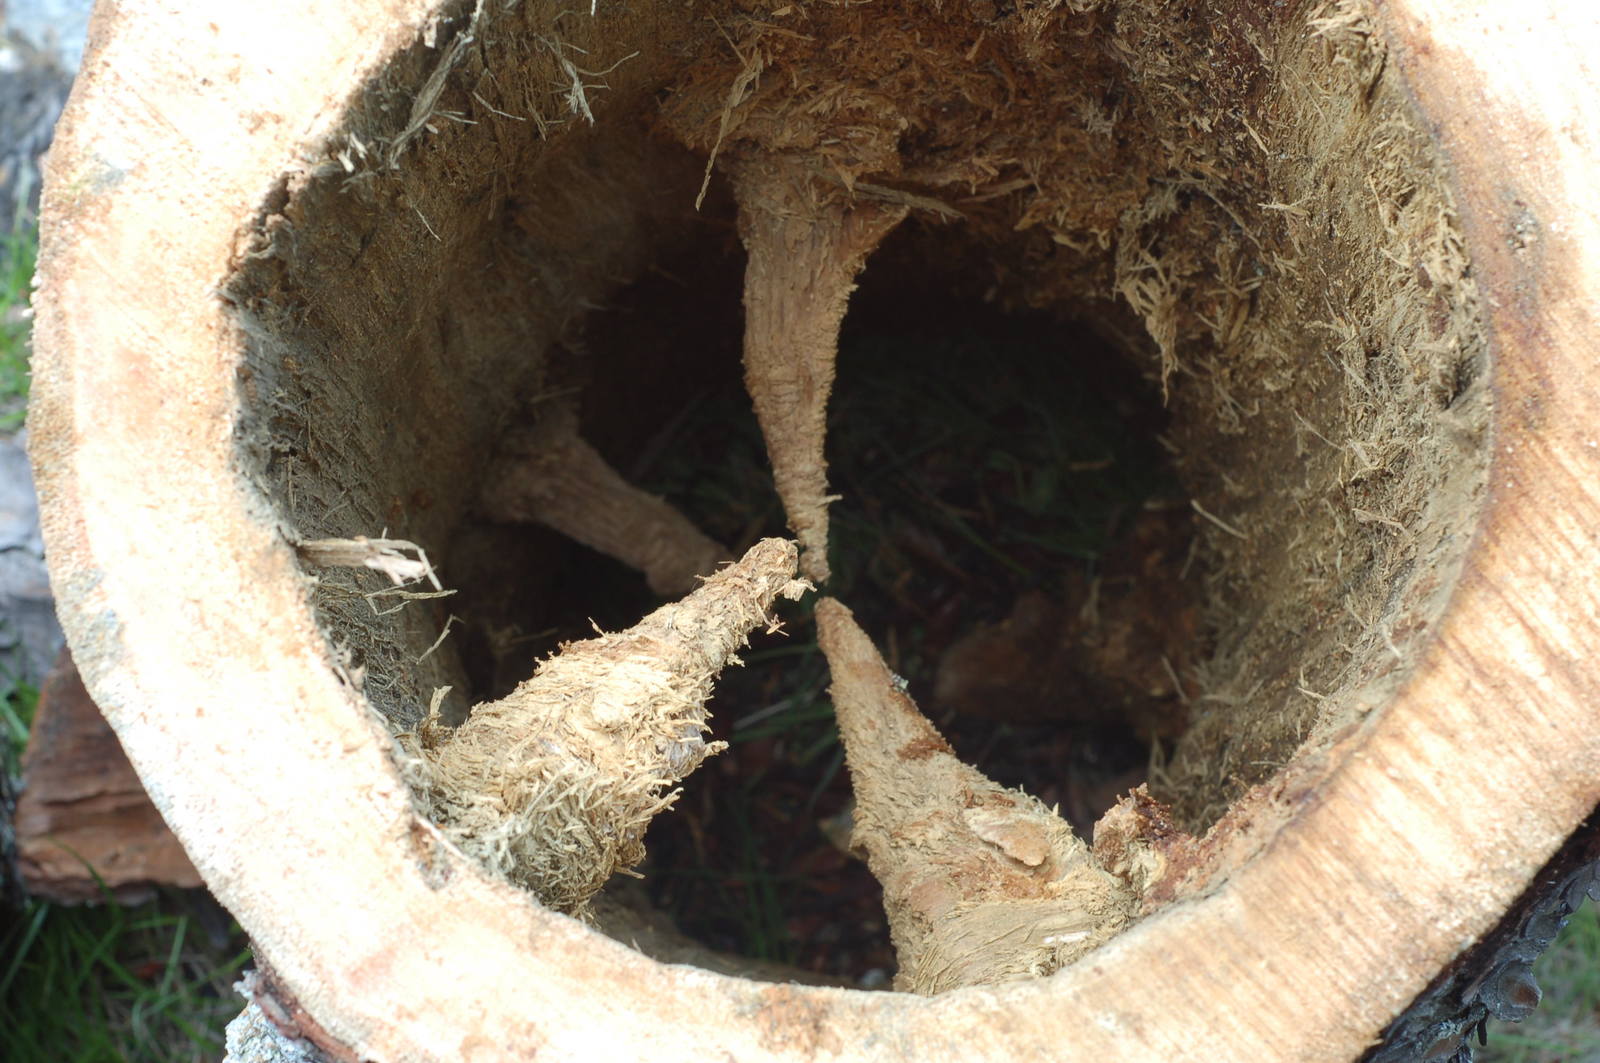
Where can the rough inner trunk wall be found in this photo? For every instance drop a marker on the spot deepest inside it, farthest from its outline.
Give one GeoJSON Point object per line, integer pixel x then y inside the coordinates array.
{"type": "Point", "coordinates": [1247, 184]}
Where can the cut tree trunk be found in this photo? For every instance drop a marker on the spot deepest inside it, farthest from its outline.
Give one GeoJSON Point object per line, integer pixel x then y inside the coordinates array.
{"type": "Point", "coordinates": [302, 263]}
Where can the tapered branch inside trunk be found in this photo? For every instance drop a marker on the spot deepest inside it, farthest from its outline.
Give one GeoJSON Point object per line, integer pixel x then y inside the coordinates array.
{"type": "Point", "coordinates": [554, 785]}
{"type": "Point", "coordinates": [981, 884]}
{"type": "Point", "coordinates": [548, 474]}
{"type": "Point", "coordinates": [806, 244]}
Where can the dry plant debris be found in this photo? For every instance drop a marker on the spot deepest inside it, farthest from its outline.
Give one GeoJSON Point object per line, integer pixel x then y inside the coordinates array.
{"type": "Point", "coordinates": [981, 884]}
{"type": "Point", "coordinates": [554, 785]}
{"type": "Point", "coordinates": [548, 474]}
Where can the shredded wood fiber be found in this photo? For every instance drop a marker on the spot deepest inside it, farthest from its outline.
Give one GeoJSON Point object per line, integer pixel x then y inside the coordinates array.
{"type": "Point", "coordinates": [554, 786]}
{"type": "Point", "coordinates": [806, 244]}
{"type": "Point", "coordinates": [982, 884]}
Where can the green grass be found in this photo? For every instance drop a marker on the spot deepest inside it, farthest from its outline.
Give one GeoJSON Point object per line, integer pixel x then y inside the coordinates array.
{"type": "Point", "coordinates": [113, 983]}
{"type": "Point", "coordinates": [18, 253]}
{"type": "Point", "coordinates": [749, 897]}
{"type": "Point", "coordinates": [16, 716]}
{"type": "Point", "coordinates": [1566, 1026]}
{"type": "Point", "coordinates": [989, 442]}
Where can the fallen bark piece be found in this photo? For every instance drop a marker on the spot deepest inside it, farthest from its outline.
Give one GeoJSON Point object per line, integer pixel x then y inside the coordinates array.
{"type": "Point", "coordinates": [805, 244]}
{"type": "Point", "coordinates": [554, 785]}
{"type": "Point", "coordinates": [84, 824]}
{"type": "Point", "coordinates": [981, 884]}
{"type": "Point", "coordinates": [549, 474]}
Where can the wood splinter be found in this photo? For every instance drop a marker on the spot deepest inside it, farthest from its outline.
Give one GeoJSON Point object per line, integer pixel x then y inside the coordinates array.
{"type": "Point", "coordinates": [547, 474]}
{"type": "Point", "coordinates": [981, 884]}
{"type": "Point", "coordinates": [806, 244]}
{"type": "Point", "coordinates": [554, 785]}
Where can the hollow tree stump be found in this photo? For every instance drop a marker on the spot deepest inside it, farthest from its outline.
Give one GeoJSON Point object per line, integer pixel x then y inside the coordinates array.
{"type": "Point", "coordinates": [300, 262]}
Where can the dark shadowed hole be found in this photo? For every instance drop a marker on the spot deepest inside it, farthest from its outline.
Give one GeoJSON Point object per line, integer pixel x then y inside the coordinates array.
{"type": "Point", "coordinates": [1010, 534]}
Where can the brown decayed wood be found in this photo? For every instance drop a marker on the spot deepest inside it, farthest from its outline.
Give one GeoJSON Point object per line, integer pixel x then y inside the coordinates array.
{"type": "Point", "coordinates": [85, 827]}
{"type": "Point", "coordinates": [1433, 813]}
{"type": "Point", "coordinates": [1118, 657]}
{"type": "Point", "coordinates": [1253, 188]}
{"type": "Point", "coordinates": [280, 1008]}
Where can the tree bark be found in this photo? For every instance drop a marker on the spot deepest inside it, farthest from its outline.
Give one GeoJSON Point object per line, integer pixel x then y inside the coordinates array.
{"type": "Point", "coordinates": [85, 828]}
